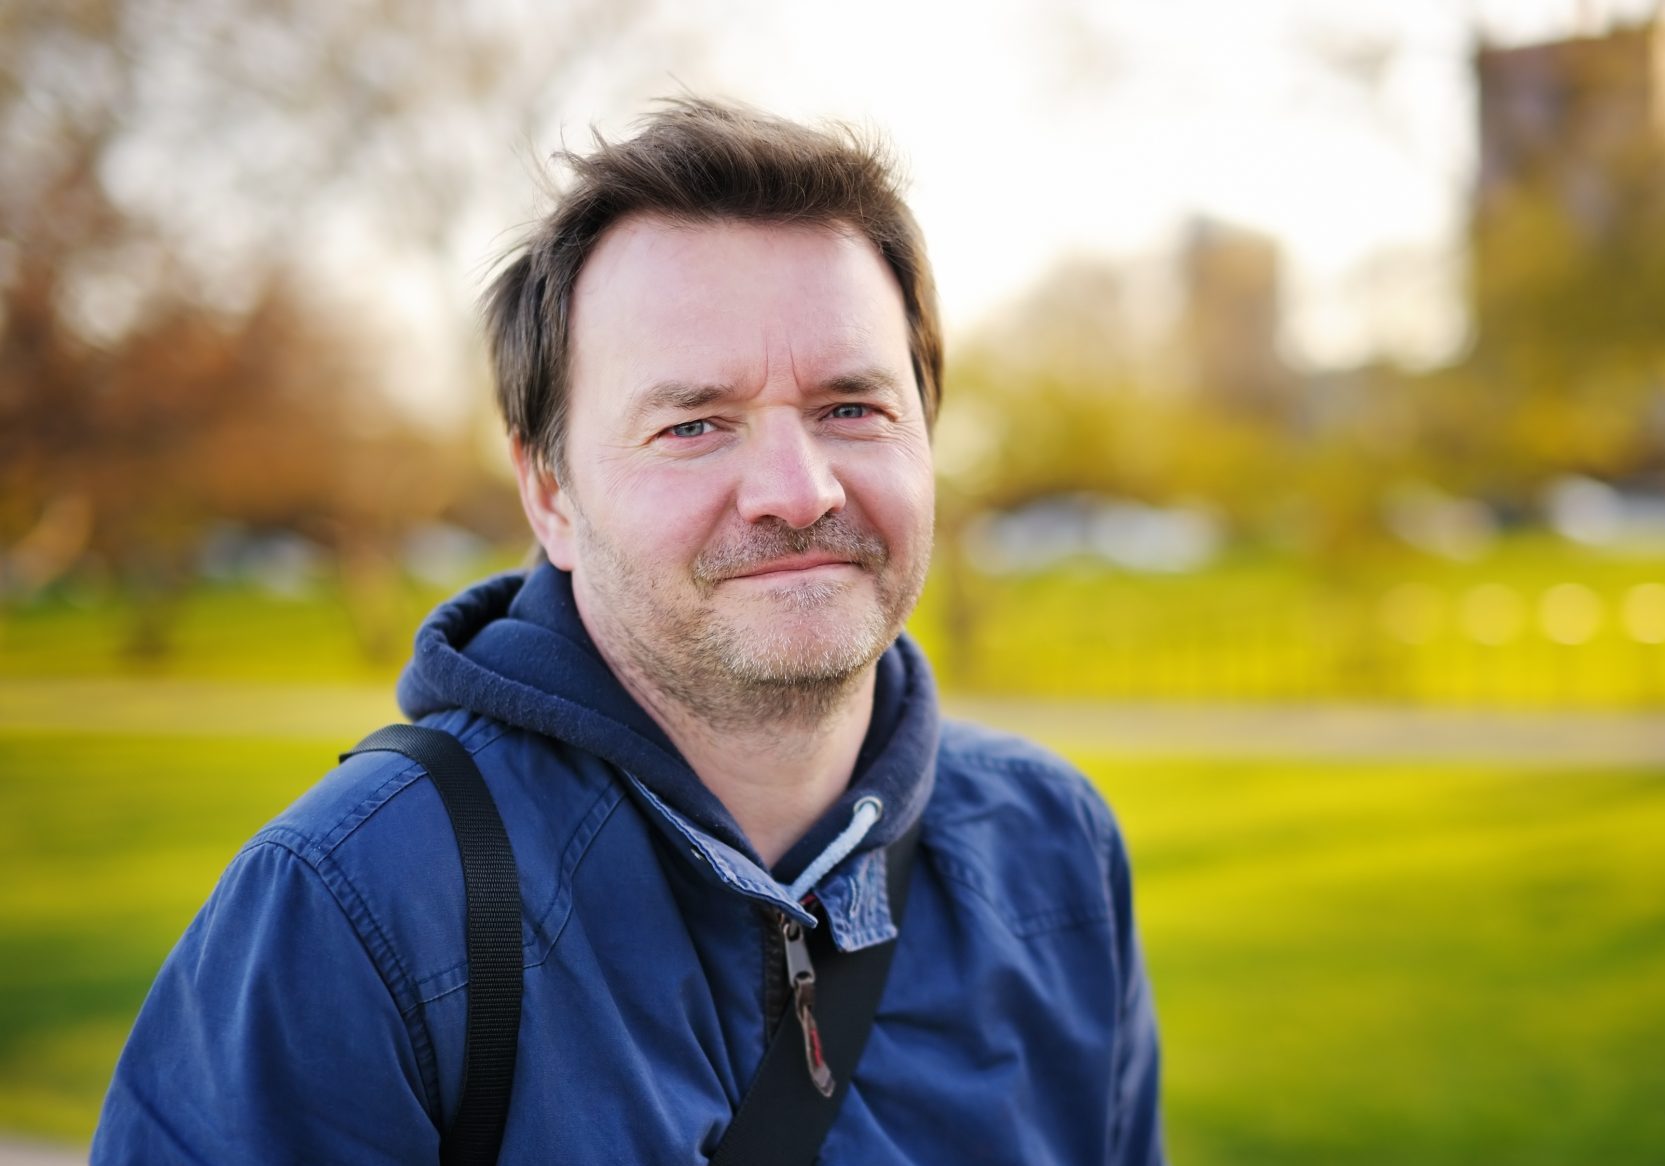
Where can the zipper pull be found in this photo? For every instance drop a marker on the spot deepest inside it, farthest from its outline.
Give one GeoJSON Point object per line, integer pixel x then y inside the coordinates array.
{"type": "Point", "coordinates": [800, 977]}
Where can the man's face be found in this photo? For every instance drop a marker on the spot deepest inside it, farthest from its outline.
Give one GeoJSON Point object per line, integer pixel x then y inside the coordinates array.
{"type": "Point", "coordinates": [749, 496]}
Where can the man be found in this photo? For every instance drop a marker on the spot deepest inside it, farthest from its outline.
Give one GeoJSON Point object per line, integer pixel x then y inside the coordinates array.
{"type": "Point", "coordinates": [719, 361]}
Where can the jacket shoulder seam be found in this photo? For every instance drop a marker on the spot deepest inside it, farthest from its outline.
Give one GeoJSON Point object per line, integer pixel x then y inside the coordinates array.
{"type": "Point", "coordinates": [1054, 770]}
{"type": "Point", "coordinates": [1031, 923]}
{"type": "Point", "coordinates": [533, 951]}
{"type": "Point", "coordinates": [372, 935]}
{"type": "Point", "coordinates": [402, 774]}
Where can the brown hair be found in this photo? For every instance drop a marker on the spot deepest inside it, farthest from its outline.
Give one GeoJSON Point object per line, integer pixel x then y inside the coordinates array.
{"type": "Point", "coordinates": [694, 160]}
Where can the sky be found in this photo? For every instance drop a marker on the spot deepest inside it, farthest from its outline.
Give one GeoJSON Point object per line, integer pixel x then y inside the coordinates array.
{"type": "Point", "coordinates": [1342, 129]}
{"type": "Point", "coordinates": [1036, 132]}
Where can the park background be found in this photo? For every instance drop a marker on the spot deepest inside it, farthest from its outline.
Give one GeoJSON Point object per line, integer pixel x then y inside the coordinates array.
{"type": "Point", "coordinates": [1302, 477]}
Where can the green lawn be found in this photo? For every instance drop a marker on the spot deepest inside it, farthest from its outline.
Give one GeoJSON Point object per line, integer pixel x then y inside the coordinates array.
{"type": "Point", "coordinates": [1398, 627]}
{"type": "Point", "coordinates": [108, 844]}
{"type": "Point", "coordinates": [1354, 963]}
{"type": "Point", "coordinates": [1395, 627]}
{"type": "Point", "coordinates": [1367, 963]}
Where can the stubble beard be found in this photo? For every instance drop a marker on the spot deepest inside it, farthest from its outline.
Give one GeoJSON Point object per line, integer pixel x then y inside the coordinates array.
{"type": "Point", "coordinates": [777, 666]}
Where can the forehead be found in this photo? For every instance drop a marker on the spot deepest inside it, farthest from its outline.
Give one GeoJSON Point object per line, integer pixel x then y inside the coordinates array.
{"type": "Point", "coordinates": [716, 299]}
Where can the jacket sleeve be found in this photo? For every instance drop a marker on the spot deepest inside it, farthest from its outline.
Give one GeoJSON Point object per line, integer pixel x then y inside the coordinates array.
{"type": "Point", "coordinates": [269, 1036]}
{"type": "Point", "coordinates": [1135, 1110]}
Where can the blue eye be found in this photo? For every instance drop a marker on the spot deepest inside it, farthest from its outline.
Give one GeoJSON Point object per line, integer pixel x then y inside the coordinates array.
{"type": "Point", "coordinates": [689, 429]}
{"type": "Point", "coordinates": [850, 412]}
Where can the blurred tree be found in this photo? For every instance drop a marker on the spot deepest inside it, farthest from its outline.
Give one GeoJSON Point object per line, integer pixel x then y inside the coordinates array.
{"type": "Point", "coordinates": [177, 173]}
{"type": "Point", "coordinates": [1066, 393]}
{"type": "Point", "coordinates": [1062, 394]}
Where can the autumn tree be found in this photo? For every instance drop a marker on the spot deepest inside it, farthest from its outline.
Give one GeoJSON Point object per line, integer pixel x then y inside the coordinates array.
{"type": "Point", "coordinates": [175, 171]}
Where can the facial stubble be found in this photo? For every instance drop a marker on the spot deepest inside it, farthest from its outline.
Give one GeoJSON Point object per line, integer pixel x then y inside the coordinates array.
{"type": "Point", "coordinates": [781, 665]}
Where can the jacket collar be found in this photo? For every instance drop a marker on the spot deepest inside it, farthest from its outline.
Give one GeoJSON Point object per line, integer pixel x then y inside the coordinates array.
{"type": "Point", "coordinates": [514, 648]}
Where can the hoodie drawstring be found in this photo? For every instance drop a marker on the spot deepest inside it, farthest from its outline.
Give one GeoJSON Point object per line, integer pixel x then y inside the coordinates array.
{"type": "Point", "coordinates": [866, 812]}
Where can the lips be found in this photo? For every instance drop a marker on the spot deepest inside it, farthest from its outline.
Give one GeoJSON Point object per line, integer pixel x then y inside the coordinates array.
{"type": "Point", "coordinates": [794, 564]}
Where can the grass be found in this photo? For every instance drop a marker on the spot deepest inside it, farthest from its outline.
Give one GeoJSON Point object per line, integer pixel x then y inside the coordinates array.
{"type": "Point", "coordinates": [1395, 626]}
{"type": "Point", "coordinates": [108, 844]}
{"type": "Point", "coordinates": [1380, 964]}
{"type": "Point", "coordinates": [220, 633]}
{"type": "Point", "coordinates": [1354, 963]}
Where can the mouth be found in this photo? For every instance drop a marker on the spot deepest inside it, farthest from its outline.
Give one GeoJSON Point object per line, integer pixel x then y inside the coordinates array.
{"type": "Point", "coordinates": [832, 552]}
{"type": "Point", "coordinates": [793, 566]}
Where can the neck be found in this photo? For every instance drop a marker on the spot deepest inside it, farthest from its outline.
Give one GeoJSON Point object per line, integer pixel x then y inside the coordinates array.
{"type": "Point", "coordinates": [776, 772]}
{"type": "Point", "coordinates": [777, 755]}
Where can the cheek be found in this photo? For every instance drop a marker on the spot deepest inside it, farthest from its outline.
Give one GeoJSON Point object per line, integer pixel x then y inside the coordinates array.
{"type": "Point", "coordinates": [899, 498]}
{"type": "Point", "coordinates": [662, 514]}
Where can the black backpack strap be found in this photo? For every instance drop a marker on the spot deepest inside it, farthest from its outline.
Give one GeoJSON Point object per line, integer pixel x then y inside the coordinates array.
{"type": "Point", "coordinates": [492, 888]}
{"type": "Point", "coordinates": [784, 1118]}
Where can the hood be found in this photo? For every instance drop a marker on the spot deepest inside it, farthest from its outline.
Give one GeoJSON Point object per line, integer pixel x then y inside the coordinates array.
{"type": "Point", "coordinates": [514, 649]}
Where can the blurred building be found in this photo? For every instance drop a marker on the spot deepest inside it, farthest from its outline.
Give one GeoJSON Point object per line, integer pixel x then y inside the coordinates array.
{"type": "Point", "coordinates": [1572, 156]}
{"type": "Point", "coordinates": [1571, 119]}
{"type": "Point", "coordinates": [1078, 314]}
{"type": "Point", "coordinates": [1229, 327]}
{"type": "Point", "coordinates": [1567, 245]}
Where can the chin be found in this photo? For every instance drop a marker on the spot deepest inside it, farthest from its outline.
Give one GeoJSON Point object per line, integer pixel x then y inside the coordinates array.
{"type": "Point", "coordinates": [829, 647]}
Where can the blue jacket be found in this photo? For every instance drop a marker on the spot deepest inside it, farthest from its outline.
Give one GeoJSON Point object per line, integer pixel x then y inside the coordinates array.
{"type": "Point", "coordinates": [314, 1010]}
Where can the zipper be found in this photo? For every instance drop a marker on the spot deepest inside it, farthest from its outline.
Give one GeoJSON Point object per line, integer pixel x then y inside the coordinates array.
{"type": "Point", "coordinates": [776, 994]}
{"type": "Point", "coordinates": [800, 980]}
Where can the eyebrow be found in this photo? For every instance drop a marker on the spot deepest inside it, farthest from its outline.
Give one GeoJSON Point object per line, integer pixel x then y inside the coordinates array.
{"type": "Point", "coordinates": [688, 397]}
{"type": "Point", "coordinates": [865, 382]}
{"type": "Point", "coordinates": [676, 397]}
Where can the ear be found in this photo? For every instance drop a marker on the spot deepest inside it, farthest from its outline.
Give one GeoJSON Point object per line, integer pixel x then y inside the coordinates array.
{"type": "Point", "coordinates": [548, 507]}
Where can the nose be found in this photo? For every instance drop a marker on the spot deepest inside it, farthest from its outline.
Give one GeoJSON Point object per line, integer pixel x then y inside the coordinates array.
{"type": "Point", "coordinates": [787, 475]}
